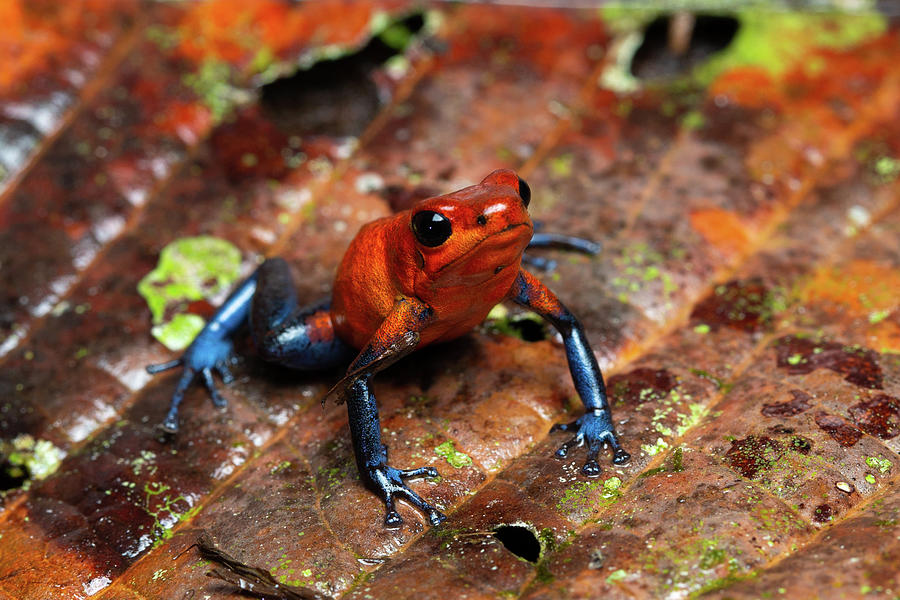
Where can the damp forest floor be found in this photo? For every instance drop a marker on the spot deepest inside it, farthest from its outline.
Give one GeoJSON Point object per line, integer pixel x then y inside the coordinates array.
{"type": "Point", "coordinates": [744, 308]}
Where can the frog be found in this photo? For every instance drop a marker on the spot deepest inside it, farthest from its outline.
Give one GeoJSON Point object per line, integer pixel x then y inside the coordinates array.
{"type": "Point", "coordinates": [422, 276]}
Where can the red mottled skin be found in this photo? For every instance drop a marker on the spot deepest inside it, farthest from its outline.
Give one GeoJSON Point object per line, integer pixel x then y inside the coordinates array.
{"type": "Point", "coordinates": [459, 279]}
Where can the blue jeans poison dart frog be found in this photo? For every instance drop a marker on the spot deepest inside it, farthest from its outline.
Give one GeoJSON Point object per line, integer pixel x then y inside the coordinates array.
{"type": "Point", "coordinates": [427, 274]}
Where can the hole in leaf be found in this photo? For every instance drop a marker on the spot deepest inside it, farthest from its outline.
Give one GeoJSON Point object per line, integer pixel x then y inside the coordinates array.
{"type": "Point", "coordinates": [337, 97]}
{"type": "Point", "coordinates": [529, 329]}
{"type": "Point", "coordinates": [519, 540]}
{"type": "Point", "coordinates": [12, 476]}
{"type": "Point", "coordinates": [655, 58]}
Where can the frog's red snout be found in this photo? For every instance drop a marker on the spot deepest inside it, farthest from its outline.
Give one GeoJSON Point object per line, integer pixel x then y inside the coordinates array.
{"type": "Point", "coordinates": [524, 192]}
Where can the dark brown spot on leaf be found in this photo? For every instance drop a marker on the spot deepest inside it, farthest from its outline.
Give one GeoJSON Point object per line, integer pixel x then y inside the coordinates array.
{"type": "Point", "coordinates": [802, 355]}
{"type": "Point", "coordinates": [753, 454]}
{"type": "Point", "coordinates": [798, 404]}
{"type": "Point", "coordinates": [878, 416]}
{"type": "Point", "coordinates": [743, 305]}
{"type": "Point", "coordinates": [641, 385]}
{"type": "Point", "coordinates": [823, 513]}
{"type": "Point", "coordinates": [844, 434]}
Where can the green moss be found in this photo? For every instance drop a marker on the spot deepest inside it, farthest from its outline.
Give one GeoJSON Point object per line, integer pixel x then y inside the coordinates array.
{"type": "Point", "coordinates": [542, 572]}
{"type": "Point", "coordinates": [656, 448]}
{"type": "Point", "coordinates": [28, 457]}
{"type": "Point", "coordinates": [779, 40]}
{"type": "Point", "coordinates": [617, 575]}
{"type": "Point", "coordinates": [674, 464]}
{"type": "Point", "coordinates": [580, 496]}
{"type": "Point", "coordinates": [457, 459]}
{"type": "Point", "coordinates": [165, 511]}
{"type": "Point", "coordinates": [887, 168]}
{"type": "Point", "coordinates": [577, 496]}
{"type": "Point", "coordinates": [877, 462]}
{"type": "Point", "coordinates": [547, 540]}
{"type": "Point", "coordinates": [179, 332]}
{"type": "Point", "coordinates": [212, 84]}
{"type": "Point", "coordinates": [561, 166]}
{"type": "Point", "coordinates": [189, 269]}
{"type": "Point", "coordinates": [280, 467]}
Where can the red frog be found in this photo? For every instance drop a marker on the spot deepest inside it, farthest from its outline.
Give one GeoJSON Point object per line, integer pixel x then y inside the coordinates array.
{"type": "Point", "coordinates": [427, 274]}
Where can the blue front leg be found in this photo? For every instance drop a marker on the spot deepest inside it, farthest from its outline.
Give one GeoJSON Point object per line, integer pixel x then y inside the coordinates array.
{"type": "Point", "coordinates": [594, 428]}
{"type": "Point", "coordinates": [371, 457]}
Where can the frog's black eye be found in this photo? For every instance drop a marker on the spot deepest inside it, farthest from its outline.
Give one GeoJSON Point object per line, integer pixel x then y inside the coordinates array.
{"type": "Point", "coordinates": [432, 229]}
{"type": "Point", "coordinates": [524, 192]}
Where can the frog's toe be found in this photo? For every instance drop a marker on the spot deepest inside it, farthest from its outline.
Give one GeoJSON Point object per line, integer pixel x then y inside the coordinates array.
{"type": "Point", "coordinates": [621, 457]}
{"type": "Point", "coordinates": [170, 423]}
{"type": "Point", "coordinates": [392, 519]}
{"type": "Point", "coordinates": [217, 398]}
{"type": "Point", "coordinates": [563, 450]}
{"type": "Point", "coordinates": [166, 366]}
{"type": "Point", "coordinates": [420, 472]}
{"type": "Point", "coordinates": [388, 482]}
{"type": "Point", "coordinates": [436, 517]}
{"type": "Point", "coordinates": [224, 372]}
{"type": "Point", "coordinates": [591, 468]}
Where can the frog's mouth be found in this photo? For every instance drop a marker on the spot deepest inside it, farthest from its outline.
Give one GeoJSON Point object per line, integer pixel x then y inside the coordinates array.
{"type": "Point", "coordinates": [501, 237]}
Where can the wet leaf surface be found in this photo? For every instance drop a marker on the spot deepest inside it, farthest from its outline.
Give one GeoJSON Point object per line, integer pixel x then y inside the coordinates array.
{"type": "Point", "coordinates": [744, 308]}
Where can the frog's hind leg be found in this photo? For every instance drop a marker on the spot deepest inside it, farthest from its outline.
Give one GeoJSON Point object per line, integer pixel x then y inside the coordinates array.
{"type": "Point", "coordinates": [565, 242]}
{"type": "Point", "coordinates": [560, 242]}
{"type": "Point", "coordinates": [285, 334]}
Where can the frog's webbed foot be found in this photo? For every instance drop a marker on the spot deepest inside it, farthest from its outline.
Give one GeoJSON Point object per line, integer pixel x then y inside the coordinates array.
{"type": "Point", "coordinates": [388, 483]}
{"type": "Point", "coordinates": [595, 430]}
{"type": "Point", "coordinates": [201, 358]}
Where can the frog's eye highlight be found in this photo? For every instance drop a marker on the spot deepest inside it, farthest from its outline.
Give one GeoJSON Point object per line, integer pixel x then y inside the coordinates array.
{"type": "Point", "coordinates": [524, 192]}
{"type": "Point", "coordinates": [432, 229]}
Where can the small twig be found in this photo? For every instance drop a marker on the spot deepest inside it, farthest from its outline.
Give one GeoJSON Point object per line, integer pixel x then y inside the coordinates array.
{"type": "Point", "coordinates": [253, 580]}
{"type": "Point", "coordinates": [681, 28]}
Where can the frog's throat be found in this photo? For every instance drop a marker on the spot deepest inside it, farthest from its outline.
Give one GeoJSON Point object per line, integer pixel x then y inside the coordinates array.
{"type": "Point", "coordinates": [482, 240]}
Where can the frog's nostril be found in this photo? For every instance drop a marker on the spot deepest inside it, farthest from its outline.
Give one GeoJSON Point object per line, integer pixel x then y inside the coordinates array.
{"type": "Point", "coordinates": [481, 220]}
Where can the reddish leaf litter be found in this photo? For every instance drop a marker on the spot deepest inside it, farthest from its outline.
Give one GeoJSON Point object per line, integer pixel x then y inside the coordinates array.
{"type": "Point", "coordinates": [744, 309]}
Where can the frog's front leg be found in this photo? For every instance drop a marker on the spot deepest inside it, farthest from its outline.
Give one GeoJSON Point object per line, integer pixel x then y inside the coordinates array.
{"type": "Point", "coordinates": [396, 337]}
{"type": "Point", "coordinates": [594, 428]}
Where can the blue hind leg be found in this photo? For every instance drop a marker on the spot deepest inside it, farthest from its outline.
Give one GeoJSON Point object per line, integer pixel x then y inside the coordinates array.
{"type": "Point", "coordinates": [284, 334]}
{"type": "Point", "coordinates": [300, 338]}
{"type": "Point", "coordinates": [559, 241]}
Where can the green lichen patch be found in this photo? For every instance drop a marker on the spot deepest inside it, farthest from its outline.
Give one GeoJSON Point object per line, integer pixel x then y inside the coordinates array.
{"type": "Point", "coordinates": [779, 41]}
{"type": "Point", "coordinates": [692, 565]}
{"type": "Point", "coordinates": [588, 496]}
{"type": "Point", "coordinates": [674, 464]}
{"type": "Point", "coordinates": [768, 37]}
{"type": "Point", "coordinates": [638, 267]}
{"type": "Point", "coordinates": [166, 510]}
{"type": "Point", "coordinates": [189, 269]}
{"type": "Point", "coordinates": [457, 459]}
{"type": "Point", "coordinates": [880, 463]}
{"type": "Point", "coordinates": [28, 458]}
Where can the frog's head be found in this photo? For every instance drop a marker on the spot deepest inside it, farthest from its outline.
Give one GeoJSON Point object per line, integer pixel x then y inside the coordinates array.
{"type": "Point", "coordinates": [475, 233]}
